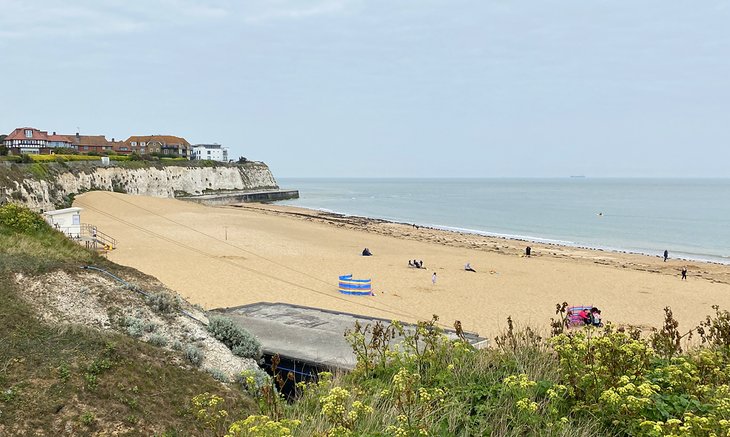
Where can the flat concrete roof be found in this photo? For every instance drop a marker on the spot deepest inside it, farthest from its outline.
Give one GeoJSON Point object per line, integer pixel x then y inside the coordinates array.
{"type": "Point", "coordinates": [63, 211]}
{"type": "Point", "coordinates": [310, 335]}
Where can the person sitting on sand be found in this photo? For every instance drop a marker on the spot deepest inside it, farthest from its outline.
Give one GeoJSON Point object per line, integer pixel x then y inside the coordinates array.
{"type": "Point", "coordinates": [366, 252]}
{"type": "Point", "coordinates": [410, 263]}
{"type": "Point", "coordinates": [583, 314]}
{"type": "Point", "coordinates": [468, 268]}
{"type": "Point", "coordinates": [420, 264]}
{"type": "Point", "coordinates": [596, 316]}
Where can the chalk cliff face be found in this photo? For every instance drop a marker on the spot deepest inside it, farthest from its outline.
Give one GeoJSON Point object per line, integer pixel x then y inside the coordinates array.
{"type": "Point", "coordinates": [48, 186]}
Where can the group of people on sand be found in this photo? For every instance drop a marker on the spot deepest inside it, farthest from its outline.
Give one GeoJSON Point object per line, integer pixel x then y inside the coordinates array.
{"type": "Point", "coordinates": [416, 264]}
{"type": "Point", "coordinates": [592, 317]}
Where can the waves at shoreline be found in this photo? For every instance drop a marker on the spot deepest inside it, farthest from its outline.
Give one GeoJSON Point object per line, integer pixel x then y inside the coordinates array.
{"type": "Point", "coordinates": [527, 238]}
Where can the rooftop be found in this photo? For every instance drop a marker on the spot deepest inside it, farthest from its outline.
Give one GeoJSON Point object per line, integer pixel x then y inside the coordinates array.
{"type": "Point", "coordinates": [63, 211]}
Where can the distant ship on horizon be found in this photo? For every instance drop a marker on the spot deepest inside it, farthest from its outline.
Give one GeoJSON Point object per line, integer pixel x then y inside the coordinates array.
{"type": "Point", "coordinates": [580, 176]}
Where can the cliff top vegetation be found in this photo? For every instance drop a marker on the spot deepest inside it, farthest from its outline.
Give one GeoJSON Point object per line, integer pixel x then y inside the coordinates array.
{"type": "Point", "coordinates": [69, 379]}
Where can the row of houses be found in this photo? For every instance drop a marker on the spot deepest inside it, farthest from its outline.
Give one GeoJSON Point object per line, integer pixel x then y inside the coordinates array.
{"type": "Point", "coordinates": [32, 141]}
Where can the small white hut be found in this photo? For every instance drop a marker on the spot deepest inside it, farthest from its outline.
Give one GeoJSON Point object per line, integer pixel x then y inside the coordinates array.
{"type": "Point", "coordinates": [66, 220]}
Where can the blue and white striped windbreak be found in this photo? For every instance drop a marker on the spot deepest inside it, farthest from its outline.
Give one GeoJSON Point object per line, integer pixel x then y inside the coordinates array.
{"type": "Point", "coordinates": [360, 287]}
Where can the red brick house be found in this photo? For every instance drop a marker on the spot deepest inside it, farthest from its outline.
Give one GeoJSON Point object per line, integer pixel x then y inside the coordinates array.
{"type": "Point", "coordinates": [90, 143]}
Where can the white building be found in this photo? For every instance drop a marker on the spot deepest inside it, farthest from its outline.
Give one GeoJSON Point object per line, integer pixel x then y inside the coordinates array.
{"type": "Point", "coordinates": [66, 220]}
{"type": "Point", "coordinates": [213, 152]}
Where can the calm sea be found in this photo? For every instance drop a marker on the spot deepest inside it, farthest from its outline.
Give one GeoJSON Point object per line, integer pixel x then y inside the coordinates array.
{"type": "Point", "coordinates": [688, 217]}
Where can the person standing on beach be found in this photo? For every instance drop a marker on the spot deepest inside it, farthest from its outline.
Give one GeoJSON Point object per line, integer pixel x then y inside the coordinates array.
{"type": "Point", "coordinates": [684, 273]}
{"type": "Point", "coordinates": [433, 278]}
{"type": "Point", "coordinates": [528, 250]}
{"type": "Point", "coordinates": [666, 255]}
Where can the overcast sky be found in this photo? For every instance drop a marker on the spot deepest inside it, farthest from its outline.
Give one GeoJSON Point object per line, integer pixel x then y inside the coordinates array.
{"type": "Point", "coordinates": [417, 88]}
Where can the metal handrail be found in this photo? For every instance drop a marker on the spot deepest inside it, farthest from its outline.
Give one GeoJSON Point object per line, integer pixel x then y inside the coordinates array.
{"type": "Point", "coordinates": [90, 231]}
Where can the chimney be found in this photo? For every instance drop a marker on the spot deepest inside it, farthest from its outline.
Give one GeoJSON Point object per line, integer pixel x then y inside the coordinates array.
{"type": "Point", "coordinates": [54, 132]}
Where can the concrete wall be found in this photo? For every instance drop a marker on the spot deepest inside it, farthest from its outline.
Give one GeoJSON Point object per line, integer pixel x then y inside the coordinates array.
{"type": "Point", "coordinates": [257, 196]}
{"type": "Point", "coordinates": [49, 186]}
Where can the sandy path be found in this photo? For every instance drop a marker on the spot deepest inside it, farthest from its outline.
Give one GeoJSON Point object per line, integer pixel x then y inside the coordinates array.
{"type": "Point", "coordinates": [277, 254]}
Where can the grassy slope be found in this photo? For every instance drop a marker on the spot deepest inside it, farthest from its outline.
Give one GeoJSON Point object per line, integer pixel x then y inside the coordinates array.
{"type": "Point", "coordinates": [73, 380]}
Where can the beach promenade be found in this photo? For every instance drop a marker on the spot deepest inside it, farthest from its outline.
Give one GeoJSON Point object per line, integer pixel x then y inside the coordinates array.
{"type": "Point", "coordinates": [237, 255]}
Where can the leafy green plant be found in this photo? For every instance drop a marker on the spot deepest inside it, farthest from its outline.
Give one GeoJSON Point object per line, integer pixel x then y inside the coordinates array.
{"type": "Point", "coordinates": [64, 373]}
{"type": "Point", "coordinates": [21, 219]}
{"type": "Point", "coordinates": [715, 331]}
{"type": "Point", "coordinates": [87, 418]}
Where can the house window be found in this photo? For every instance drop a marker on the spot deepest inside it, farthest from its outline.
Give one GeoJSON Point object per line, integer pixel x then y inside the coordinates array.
{"type": "Point", "coordinates": [86, 147]}
{"type": "Point", "coordinates": [142, 144]}
{"type": "Point", "coordinates": [134, 144]}
{"type": "Point", "coordinates": [28, 133]}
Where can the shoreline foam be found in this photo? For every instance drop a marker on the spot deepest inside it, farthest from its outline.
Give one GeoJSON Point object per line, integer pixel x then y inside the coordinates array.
{"type": "Point", "coordinates": [677, 255]}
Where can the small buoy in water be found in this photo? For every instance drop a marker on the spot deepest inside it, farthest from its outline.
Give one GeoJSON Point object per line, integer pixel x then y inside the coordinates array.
{"type": "Point", "coordinates": [600, 214]}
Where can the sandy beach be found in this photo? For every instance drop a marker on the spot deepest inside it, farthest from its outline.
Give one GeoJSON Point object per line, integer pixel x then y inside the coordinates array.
{"type": "Point", "coordinates": [236, 255]}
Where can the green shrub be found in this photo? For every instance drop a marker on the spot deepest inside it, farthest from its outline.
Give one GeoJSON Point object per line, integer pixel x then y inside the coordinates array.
{"type": "Point", "coordinates": [162, 303]}
{"type": "Point", "coordinates": [136, 327]}
{"type": "Point", "coordinates": [87, 418]}
{"type": "Point", "coordinates": [21, 219]}
{"type": "Point", "coordinates": [253, 380]}
{"type": "Point", "coordinates": [157, 340]}
{"type": "Point", "coordinates": [194, 355]}
{"type": "Point", "coordinates": [238, 340]}
{"type": "Point", "coordinates": [177, 345]}
{"type": "Point", "coordinates": [218, 375]}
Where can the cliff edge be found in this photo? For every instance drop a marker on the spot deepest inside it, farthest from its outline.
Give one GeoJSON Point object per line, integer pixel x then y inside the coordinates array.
{"type": "Point", "coordinates": [46, 186]}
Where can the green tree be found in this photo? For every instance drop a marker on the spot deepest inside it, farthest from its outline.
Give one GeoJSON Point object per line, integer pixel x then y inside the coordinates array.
{"type": "Point", "coordinates": [3, 148]}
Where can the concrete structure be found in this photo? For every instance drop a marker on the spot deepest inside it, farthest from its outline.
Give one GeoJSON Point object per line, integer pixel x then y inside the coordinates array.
{"type": "Point", "coordinates": [32, 141]}
{"type": "Point", "coordinates": [305, 336]}
{"type": "Point", "coordinates": [243, 197]}
{"type": "Point", "coordinates": [213, 152]}
{"type": "Point", "coordinates": [66, 220]}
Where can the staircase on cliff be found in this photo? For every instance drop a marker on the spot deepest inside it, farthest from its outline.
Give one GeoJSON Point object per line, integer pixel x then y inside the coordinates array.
{"type": "Point", "coordinates": [95, 239]}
